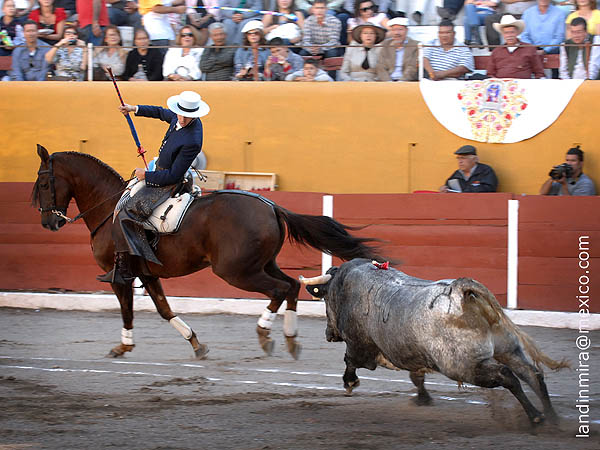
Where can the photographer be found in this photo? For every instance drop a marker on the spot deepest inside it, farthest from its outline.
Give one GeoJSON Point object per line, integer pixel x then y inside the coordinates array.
{"type": "Point", "coordinates": [568, 178]}
{"type": "Point", "coordinates": [69, 55]}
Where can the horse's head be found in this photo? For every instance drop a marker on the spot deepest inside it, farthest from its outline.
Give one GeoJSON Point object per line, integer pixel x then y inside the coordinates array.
{"type": "Point", "coordinates": [51, 192]}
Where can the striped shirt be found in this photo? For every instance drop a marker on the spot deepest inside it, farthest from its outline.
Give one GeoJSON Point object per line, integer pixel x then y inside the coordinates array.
{"type": "Point", "coordinates": [327, 34]}
{"type": "Point", "coordinates": [441, 59]}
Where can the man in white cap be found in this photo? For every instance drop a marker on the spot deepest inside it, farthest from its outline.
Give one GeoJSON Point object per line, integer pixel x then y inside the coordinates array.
{"type": "Point", "coordinates": [399, 54]}
{"type": "Point", "coordinates": [180, 146]}
{"type": "Point", "coordinates": [517, 60]}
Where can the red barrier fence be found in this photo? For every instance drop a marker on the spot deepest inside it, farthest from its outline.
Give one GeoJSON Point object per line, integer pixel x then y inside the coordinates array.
{"type": "Point", "coordinates": [436, 236]}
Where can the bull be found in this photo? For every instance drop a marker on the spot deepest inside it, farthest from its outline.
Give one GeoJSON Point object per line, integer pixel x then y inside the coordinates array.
{"type": "Point", "coordinates": [454, 327]}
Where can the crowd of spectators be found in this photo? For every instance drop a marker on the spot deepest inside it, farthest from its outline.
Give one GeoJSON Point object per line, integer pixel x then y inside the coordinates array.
{"type": "Point", "coordinates": [188, 40]}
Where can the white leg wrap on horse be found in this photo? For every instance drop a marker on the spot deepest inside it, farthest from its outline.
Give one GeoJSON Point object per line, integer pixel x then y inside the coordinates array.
{"type": "Point", "coordinates": [290, 323]}
{"type": "Point", "coordinates": [266, 319]}
{"type": "Point", "coordinates": [182, 327]}
{"type": "Point", "coordinates": [126, 337]}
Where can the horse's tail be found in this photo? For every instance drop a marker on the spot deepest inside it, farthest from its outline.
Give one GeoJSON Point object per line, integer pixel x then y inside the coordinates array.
{"type": "Point", "coordinates": [326, 235]}
{"type": "Point", "coordinates": [479, 296]}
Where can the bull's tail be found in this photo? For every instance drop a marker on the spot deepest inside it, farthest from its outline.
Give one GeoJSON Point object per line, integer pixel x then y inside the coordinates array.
{"type": "Point", "coordinates": [477, 296]}
{"type": "Point", "coordinates": [326, 235]}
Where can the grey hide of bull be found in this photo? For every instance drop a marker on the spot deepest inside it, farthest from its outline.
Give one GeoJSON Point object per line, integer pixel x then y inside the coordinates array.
{"type": "Point", "coordinates": [455, 327]}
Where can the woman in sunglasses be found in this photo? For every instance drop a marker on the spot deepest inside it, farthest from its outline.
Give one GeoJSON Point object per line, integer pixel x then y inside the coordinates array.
{"type": "Point", "coordinates": [183, 63]}
{"type": "Point", "coordinates": [69, 55]}
{"type": "Point", "coordinates": [365, 11]}
{"type": "Point", "coordinates": [249, 63]}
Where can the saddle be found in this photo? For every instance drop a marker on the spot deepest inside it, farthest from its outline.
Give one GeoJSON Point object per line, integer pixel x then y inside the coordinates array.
{"type": "Point", "coordinates": [163, 213]}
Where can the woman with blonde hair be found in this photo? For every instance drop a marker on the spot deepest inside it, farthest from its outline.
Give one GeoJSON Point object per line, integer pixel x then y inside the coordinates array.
{"type": "Point", "coordinates": [182, 63]}
{"type": "Point", "coordinates": [110, 54]}
{"type": "Point", "coordinates": [587, 10]}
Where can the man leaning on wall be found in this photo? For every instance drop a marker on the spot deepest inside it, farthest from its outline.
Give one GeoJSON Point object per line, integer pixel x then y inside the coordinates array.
{"type": "Point", "coordinates": [471, 176]}
{"type": "Point", "coordinates": [565, 181]}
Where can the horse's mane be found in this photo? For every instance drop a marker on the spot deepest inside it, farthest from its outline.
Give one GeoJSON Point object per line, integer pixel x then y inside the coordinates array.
{"type": "Point", "coordinates": [101, 163]}
{"type": "Point", "coordinates": [35, 193]}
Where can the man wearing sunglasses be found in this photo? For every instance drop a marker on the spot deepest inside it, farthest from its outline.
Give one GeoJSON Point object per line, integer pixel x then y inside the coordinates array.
{"type": "Point", "coordinates": [28, 63]}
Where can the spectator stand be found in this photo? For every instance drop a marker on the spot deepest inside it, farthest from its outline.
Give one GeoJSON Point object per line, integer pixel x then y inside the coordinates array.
{"type": "Point", "coordinates": [430, 15]}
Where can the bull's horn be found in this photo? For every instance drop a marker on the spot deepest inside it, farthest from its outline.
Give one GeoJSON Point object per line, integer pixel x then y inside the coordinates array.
{"type": "Point", "coordinates": [322, 279]}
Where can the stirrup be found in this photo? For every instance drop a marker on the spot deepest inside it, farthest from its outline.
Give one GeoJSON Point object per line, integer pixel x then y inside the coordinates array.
{"type": "Point", "coordinates": [108, 277]}
{"type": "Point", "coordinates": [115, 277]}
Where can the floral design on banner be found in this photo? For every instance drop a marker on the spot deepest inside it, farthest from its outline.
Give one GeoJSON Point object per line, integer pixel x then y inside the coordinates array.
{"type": "Point", "coordinates": [492, 106]}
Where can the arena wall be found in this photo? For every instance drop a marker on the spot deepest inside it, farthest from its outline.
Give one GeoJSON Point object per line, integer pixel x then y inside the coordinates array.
{"type": "Point", "coordinates": [317, 137]}
{"type": "Point", "coordinates": [434, 236]}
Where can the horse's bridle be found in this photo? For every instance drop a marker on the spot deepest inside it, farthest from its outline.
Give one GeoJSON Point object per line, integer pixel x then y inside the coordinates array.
{"type": "Point", "coordinates": [62, 212]}
{"type": "Point", "coordinates": [52, 208]}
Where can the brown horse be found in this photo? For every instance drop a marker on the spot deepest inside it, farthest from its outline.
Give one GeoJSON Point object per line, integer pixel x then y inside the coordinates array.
{"type": "Point", "coordinates": [239, 236]}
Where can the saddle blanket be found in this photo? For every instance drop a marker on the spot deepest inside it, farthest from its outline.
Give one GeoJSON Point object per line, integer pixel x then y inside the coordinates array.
{"type": "Point", "coordinates": [166, 217]}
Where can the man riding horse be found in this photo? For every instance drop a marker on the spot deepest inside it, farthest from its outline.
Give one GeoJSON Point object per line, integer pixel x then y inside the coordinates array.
{"type": "Point", "coordinates": [180, 146]}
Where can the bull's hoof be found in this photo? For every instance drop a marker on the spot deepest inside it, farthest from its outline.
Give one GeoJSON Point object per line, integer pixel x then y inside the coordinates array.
{"type": "Point", "coordinates": [266, 343]}
{"type": "Point", "coordinates": [350, 385]}
{"type": "Point", "coordinates": [201, 351]}
{"type": "Point", "coordinates": [422, 400]}
{"type": "Point", "coordinates": [293, 347]}
{"type": "Point", "coordinates": [119, 350]}
{"type": "Point", "coordinates": [552, 418]}
{"type": "Point", "coordinates": [536, 422]}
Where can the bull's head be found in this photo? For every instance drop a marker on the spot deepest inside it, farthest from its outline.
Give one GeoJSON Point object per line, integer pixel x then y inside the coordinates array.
{"type": "Point", "coordinates": [318, 287]}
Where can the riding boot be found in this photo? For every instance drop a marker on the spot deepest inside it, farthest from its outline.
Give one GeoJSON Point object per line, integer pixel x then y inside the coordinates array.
{"type": "Point", "coordinates": [121, 272]}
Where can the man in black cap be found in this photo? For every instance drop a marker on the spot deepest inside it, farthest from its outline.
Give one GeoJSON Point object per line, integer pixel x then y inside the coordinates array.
{"type": "Point", "coordinates": [471, 176]}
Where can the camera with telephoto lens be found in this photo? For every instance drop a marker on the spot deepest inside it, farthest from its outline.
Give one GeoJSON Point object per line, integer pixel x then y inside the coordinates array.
{"type": "Point", "coordinates": [562, 170]}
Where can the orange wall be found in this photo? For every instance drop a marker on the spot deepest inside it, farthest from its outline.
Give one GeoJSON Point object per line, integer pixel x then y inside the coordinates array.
{"type": "Point", "coordinates": [435, 236]}
{"type": "Point", "coordinates": [321, 137]}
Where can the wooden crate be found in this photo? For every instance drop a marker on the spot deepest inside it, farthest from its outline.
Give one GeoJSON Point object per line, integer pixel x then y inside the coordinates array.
{"type": "Point", "coordinates": [246, 181]}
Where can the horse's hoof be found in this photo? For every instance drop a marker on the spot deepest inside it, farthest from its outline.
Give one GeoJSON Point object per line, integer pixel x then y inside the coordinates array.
{"type": "Point", "coordinates": [293, 347]}
{"type": "Point", "coordinates": [201, 351]}
{"type": "Point", "coordinates": [119, 350]}
{"type": "Point", "coordinates": [266, 343]}
{"type": "Point", "coordinates": [350, 387]}
{"type": "Point", "coordinates": [267, 346]}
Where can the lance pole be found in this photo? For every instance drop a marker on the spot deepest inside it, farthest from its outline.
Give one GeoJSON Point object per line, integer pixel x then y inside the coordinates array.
{"type": "Point", "coordinates": [140, 149]}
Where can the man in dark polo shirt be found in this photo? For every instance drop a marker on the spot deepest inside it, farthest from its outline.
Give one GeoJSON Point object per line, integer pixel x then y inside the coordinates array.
{"type": "Point", "coordinates": [471, 176]}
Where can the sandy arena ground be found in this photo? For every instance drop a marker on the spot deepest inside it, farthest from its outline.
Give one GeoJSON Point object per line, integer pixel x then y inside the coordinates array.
{"type": "Point", "coordinates": [58, 391]}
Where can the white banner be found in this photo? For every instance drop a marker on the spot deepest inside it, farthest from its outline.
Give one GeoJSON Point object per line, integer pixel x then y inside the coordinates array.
{"type": "Point", "coordinates": [495, 110]}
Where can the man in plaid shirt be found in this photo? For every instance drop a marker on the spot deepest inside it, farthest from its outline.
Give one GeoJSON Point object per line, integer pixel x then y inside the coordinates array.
{"type": "Point", "coordinates": [321, 29]}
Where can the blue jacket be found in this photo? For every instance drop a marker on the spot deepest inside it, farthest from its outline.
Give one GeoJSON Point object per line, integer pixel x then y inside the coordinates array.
{"type": "Point", "coordinates": [178, 150]}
